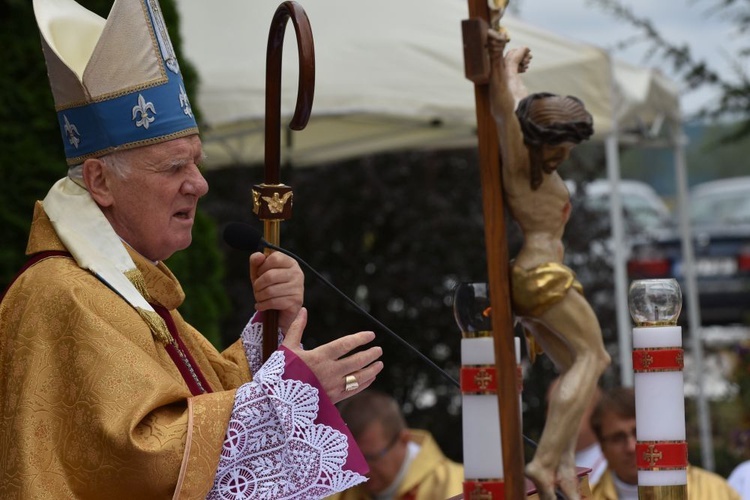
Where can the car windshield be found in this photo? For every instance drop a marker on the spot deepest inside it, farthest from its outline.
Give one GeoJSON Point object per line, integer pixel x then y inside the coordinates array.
{"type": "Point", "coordinates": [644, 213]}
{"type": "Point", "coordinates": [720, 207]}
{"type": "Point", "coordinates": [640, 212]}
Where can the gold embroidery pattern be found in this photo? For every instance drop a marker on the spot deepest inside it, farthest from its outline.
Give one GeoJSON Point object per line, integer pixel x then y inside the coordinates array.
{"type": "Point", "coordinates": [138, 281]}
{"type": "Point", "coordinates": [156, 325]}
{"type": "Point", "coordinates": [94, 391]}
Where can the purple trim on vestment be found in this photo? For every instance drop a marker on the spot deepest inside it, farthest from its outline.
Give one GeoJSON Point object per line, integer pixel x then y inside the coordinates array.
{"type": "Point", "coordinates": [296, 369]}
{"type": "Point", "coordinates": [195, 389]}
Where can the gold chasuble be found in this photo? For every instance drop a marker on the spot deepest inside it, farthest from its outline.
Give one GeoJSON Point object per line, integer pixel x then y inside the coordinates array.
{"type": "Point", "coordinates": [105, 391]}
{"type": "Point", "coordinates": [91, 403]}
{"type": "Point", "coordinates": [701, 485]}
{"type": "Point", "coordinates": [431, 476]}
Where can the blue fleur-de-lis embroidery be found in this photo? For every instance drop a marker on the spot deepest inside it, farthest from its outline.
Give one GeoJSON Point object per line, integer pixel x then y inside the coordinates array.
{"type": "Point", "coordinates": [141, 112]}
{"type": "Point", "coordinates": [72, 132]}
{"type": "Point", "coordinates": [185, 103]}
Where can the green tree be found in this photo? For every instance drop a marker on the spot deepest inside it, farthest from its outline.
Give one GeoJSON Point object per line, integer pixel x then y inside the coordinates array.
{"type": "Point", "coordinates": [32, 157]}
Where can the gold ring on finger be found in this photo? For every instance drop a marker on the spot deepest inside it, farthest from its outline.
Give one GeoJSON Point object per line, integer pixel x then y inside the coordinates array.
{"type": "Point", "coordinates": [350, 383]}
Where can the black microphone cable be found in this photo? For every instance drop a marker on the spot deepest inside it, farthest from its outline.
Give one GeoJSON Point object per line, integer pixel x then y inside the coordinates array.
{"type": "Point", "coordinates": [362, 311]}
{"type": "Point", "coordinates": [245, 237]}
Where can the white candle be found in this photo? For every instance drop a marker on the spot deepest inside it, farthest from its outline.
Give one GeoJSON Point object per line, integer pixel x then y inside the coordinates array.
{"type": "Point", "coordinates": [483, 451]}
{"type": "Point", "coordinates": [482, 445]}
{"type": "Point", "coordinates": [659, 402]}
{"type": "Point", "coordinates": [483, 457]}
{"type": "Point", "coordinates": [661, 449]}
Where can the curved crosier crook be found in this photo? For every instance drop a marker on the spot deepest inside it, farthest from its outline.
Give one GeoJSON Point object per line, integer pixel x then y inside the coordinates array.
{"type": "Point", "coordinates": [272, 201]}
{"type": "Point", "coordinates": [306, 86]}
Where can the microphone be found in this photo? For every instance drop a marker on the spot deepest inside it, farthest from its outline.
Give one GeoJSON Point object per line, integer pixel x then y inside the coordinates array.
{"type": "Point", "coordinates": [245, 237]}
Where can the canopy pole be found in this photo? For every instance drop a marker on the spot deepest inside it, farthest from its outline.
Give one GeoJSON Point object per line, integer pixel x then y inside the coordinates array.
{"type": "Point", "coordinates": [691, 295]}
{"type": "Point", "coordinates": [616, 215]}
{"type": "Point", "coordinates": [624, 325]}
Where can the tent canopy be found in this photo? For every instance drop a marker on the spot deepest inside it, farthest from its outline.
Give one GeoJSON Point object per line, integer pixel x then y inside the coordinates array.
{"type": "Point", "coordinates": [389, 76]}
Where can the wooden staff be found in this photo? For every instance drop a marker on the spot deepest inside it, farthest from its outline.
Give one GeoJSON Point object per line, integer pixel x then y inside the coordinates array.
{"type": "Point", "coordinates": [272, 201]}
{"type": "Point", "coordinates": [477, 70]}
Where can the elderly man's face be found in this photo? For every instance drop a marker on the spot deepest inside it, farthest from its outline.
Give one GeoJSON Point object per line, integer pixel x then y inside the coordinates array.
{"type": "Point", "coordinates": [153, 207]}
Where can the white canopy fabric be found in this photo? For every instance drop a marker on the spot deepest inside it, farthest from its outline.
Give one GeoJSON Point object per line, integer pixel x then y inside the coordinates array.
{"type": "Point", "coordinates": [389, 76]}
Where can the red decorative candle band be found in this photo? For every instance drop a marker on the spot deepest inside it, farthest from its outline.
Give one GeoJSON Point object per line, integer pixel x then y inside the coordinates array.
{"type": "Point", "coordinates": [661, 455]}
{"type": "Point", "coordinates": [658, 359]}
{"type": "Point", "coordinates": [484, 490]}
{"type": "Point", "coordinates": [478, 379]}
{"type": "Point", "coordinates": [519, 378]}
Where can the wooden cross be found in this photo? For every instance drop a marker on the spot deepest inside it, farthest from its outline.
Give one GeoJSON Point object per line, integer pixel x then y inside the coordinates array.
{"type": "Point", "coordinates": [477, 70]}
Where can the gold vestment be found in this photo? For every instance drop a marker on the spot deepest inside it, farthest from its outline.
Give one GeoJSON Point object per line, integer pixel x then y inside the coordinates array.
{"type": "Point", "coordinates": [431, 475]}
{"type": "Point", "coordinates": [701, 485]}
{"type": "Point", "coordinates": [92, 405]}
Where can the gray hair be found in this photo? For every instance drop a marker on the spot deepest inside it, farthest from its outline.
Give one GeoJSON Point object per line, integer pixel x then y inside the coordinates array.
{"type": "Point", "coordinates": [115, 161]}
{"type": "Point", "coordinates": [76, 174]}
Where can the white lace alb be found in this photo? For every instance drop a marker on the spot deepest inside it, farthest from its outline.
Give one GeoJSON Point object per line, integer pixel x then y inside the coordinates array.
{"type": "Point", "coordinates": [273, 447]}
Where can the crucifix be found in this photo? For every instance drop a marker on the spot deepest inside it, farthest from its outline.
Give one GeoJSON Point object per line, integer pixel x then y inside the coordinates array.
{"type": "Point", "coordinates": [523, 139]}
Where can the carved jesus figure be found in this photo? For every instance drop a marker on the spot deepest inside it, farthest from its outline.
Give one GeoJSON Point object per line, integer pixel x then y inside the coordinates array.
{"type": "Point", "coordinates": [536, 134]}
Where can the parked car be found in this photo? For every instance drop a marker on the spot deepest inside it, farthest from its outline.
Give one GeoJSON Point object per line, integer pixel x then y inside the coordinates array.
{"type": "Point", "coordinates": [589, 246]}
{"type": "Point", "coordinates": [719, 214]}
{"type": "Point", "coordinates": [644, 211]}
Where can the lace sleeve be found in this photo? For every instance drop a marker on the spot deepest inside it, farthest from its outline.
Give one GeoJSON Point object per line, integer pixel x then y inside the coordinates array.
{"type": "Point", "coordinates": [252, 341]}
{"type": "Point", "coordinates": [285, 439]}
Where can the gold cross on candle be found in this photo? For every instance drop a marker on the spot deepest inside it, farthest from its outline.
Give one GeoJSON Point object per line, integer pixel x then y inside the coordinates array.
{"type": "Point", "coordinates": [483, 379]}
{"type": "Point", "coordinates": [652, 455]}
{"type": "Point", "coordinates": [480, 493]}
{"type": "Point", "coordinates": [647, 360]}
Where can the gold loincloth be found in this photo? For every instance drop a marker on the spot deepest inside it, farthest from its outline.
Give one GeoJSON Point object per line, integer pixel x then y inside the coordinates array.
{"type": "Point", "coordinates": [533, 291]}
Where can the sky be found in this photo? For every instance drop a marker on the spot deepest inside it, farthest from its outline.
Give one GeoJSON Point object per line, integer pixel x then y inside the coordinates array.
{"type": "Point", "coordinates": [680, 21]}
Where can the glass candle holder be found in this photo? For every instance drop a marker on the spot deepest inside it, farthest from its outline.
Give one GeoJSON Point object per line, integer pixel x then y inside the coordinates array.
{"type": "Point", "coordinates": [656, 302]}
{"type": "Point", "coordinates": [471, 309]}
